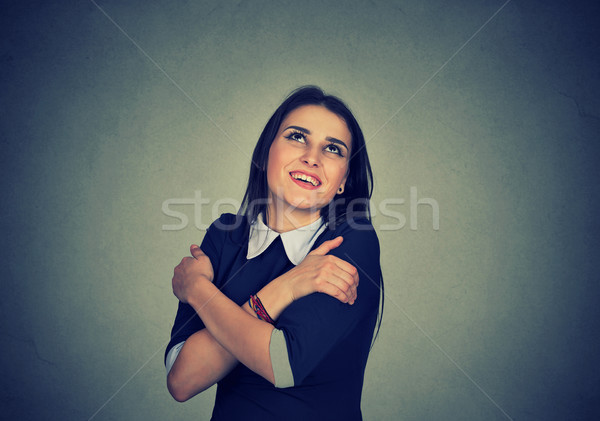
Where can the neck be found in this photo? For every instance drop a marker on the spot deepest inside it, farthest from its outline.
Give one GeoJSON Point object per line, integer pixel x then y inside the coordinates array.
{"type": "Point", "coordinates": [283, 219]}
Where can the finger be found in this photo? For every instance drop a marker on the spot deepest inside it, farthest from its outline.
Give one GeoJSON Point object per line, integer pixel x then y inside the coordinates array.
{"type": "Point", "coordinates": [327, 246]}
{"type": "Point", "coordinates": [346, 267]}
{"type": "Point", "coordinates": [345, 283]}
{"type": "Point", "coordinates": [333, 291]}
{"type": "Point", "coordinates": [340, 280]}
{"type": "Point", "coordinates": [340, 289]}
{"type": "Point", "coordinates": [196, 251]}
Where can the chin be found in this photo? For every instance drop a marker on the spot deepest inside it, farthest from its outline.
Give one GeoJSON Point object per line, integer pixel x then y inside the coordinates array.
{"type": "Point", "coordinates": [303, 205]}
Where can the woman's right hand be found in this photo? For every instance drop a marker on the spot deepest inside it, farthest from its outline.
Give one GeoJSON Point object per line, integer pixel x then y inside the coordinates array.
{"type": "Point", "coordinates": [318, 272]}
{"type": "Point", "coordinates": [325, 273]}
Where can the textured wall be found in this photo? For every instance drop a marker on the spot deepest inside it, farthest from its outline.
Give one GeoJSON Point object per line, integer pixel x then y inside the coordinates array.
{"type": "Point", "coordinates": [110, 109]}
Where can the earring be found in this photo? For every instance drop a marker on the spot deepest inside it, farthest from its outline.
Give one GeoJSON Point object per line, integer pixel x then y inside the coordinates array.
{"type": "Point", "coordinates": [341, 190]}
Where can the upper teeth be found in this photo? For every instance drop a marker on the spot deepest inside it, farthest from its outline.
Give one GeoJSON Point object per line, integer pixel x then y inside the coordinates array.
{"type": "Point", "coordinates": [304, 177]}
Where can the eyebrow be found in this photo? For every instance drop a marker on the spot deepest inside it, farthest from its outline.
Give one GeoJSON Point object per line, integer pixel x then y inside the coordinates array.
{"type": "Point", "coordinates": [328, 138]}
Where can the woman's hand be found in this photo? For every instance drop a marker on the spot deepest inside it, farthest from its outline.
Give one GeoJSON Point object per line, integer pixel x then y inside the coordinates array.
{"type": "Point", "coordinates": [189, 271]}
{"type": "Point", "coordinates": [322, 272]}
{"type": "Point", "coordinates": [206, 268]}
{"type": "Point", "coordinates": [318, 272]}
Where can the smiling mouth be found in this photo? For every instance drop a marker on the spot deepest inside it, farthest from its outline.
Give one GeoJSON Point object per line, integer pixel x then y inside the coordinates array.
{"type": "Point", "coordinates": [306, 179]}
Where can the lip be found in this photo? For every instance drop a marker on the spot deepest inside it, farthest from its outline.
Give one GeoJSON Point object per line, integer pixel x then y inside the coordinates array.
{"type": "Point", "coordinates": [302, 183]}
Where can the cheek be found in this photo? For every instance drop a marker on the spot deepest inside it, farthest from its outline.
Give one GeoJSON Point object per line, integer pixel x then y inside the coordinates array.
{"type": "Point", "coordinates": [338, 172]}
{"type": "Point", "coordinates": [274, 164]}
{"type": "Point", "coordinates": [280, 156]}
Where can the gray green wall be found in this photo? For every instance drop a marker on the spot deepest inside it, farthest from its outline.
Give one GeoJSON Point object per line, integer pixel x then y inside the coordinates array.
{"type": "Point", "coordinates": [104, 117]}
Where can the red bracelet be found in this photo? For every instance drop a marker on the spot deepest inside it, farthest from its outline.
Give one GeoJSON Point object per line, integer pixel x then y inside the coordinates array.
{"type": "Point", "coordinates": [259, 309]}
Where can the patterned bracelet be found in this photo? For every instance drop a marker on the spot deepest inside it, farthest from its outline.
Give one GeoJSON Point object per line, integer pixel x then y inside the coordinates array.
{"type": "Point", "coordinates": [257, 306]}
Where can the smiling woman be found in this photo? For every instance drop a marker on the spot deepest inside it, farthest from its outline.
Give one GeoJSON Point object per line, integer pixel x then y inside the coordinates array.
{"type": "Point", "coordinates": [308, 164]}
{"type": "Point", "coordinates": [298, 347]}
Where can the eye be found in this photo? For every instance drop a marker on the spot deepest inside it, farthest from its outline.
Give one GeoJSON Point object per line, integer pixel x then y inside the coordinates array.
{"type": "Point", "coordinates": [297, 136]}
{"type": "Point", "coordinates": [333, 148]}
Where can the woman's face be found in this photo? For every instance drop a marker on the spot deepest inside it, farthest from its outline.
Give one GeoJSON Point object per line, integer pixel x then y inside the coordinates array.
{"type": "Point", "coordinates": [308, 161]}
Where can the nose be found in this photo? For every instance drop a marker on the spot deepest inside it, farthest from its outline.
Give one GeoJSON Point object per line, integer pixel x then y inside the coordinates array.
{"type": "Point", "coordinates": [311, 158]}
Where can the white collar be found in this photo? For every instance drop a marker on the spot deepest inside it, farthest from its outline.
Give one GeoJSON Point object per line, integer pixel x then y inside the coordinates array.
{"type": "Point", "coordinates": [297, 243]}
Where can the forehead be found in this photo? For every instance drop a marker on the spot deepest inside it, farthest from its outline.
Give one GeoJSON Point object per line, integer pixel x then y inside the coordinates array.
{"type": "Point", "coordinates": [319, 121]}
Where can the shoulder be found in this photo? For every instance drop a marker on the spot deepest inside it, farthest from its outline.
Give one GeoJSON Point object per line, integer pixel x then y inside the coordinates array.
{"type": "Point", "coordinates": [360, 248]}
{"type": "Point", "coordinates": [229, 224]}
{"type": "Point", "coordinates": [357, 231]}
{"type": "Point", "coordinates": [360, 245]}
{"type": "Point", "coordinates": [228, 221]}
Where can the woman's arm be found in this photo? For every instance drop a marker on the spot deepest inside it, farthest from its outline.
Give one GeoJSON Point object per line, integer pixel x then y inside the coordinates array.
{"type": "Point", "coordinates": [237, 329]}
{"type": "Point", "coordinates": [243, 335]}
{"type": "Point", "coordinates": [201, 363]}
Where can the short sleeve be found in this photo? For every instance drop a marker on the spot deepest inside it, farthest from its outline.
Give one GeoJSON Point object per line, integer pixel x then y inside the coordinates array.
{"type": "Point", "coordinates": [315, 324]}
{"type": "Point", "coordinates": [187, 321]}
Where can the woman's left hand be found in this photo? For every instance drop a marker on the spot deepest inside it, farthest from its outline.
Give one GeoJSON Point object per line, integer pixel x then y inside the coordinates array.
{"type": "Point", "coordinates": [189, 271]}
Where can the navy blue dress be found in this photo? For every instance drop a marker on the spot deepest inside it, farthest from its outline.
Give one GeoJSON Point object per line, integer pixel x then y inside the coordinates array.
{"type": "Point", "coordinates": [328, 341]}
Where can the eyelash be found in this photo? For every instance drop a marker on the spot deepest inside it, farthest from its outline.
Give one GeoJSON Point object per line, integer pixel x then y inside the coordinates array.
{"type": "Point", "coordinates": [338, 149]}
{"type": "Point", "coordinates": [290, 136]}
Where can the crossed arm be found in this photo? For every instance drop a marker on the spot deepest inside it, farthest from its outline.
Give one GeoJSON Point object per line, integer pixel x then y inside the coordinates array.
{"type": "Point", "coordinates": [234, 334]}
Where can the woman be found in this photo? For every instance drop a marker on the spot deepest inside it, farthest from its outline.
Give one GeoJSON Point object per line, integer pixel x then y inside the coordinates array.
{"type": "Point", "coordinates": [304, 335]}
